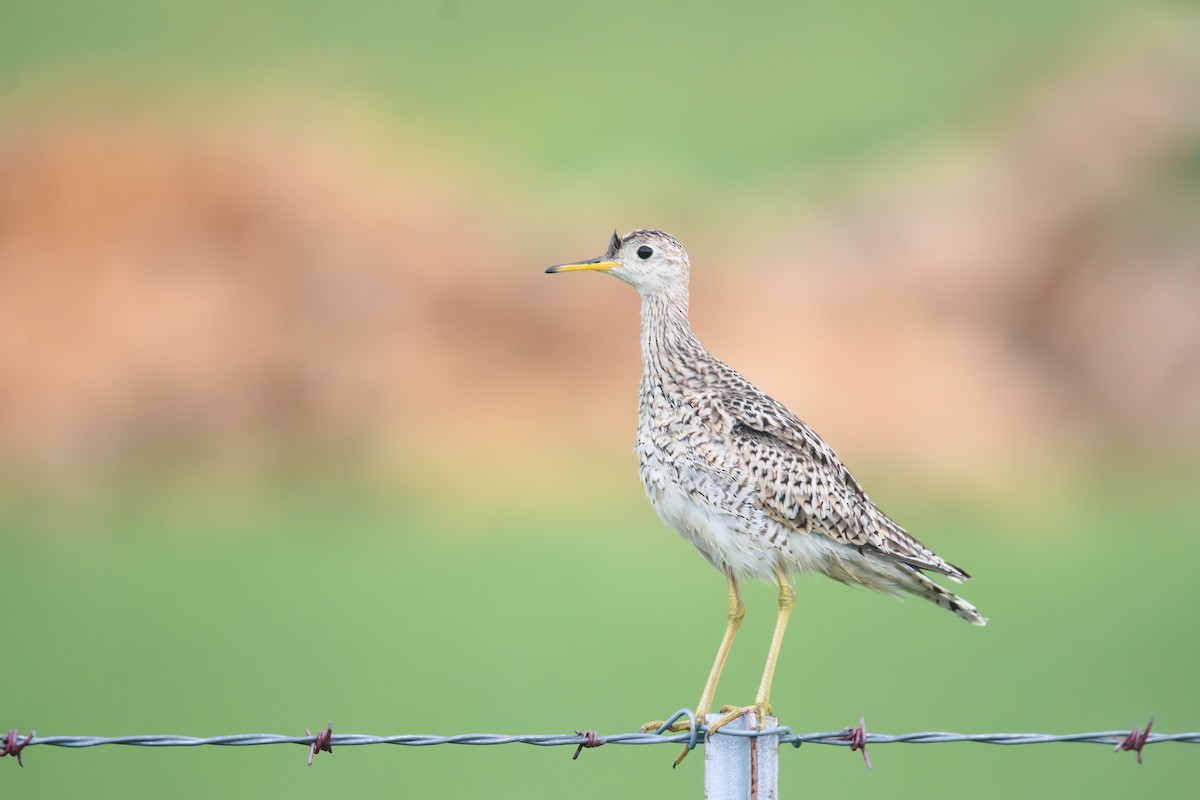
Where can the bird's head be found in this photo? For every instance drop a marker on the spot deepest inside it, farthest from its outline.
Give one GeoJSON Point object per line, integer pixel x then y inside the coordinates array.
{"type": "Point", "coordinates": [652, 262]}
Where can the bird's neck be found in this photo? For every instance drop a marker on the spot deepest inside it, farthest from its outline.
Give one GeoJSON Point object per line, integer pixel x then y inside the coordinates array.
{"type": "Point", "coordinates": [666, 333]}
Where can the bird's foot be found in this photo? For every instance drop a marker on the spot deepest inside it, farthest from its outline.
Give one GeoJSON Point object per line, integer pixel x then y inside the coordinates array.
{"type": "Point", "coordinates": [761, 710]}
{"type": "Point", "coordinates": [680, 725]}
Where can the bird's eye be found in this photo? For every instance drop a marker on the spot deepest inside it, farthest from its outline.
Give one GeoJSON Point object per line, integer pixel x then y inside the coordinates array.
{"type": "Point", "coordinates": [644, 252]}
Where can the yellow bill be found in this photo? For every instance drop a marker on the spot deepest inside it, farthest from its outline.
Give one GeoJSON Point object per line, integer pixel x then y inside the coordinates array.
{"type": "Point", "coordinates": [601, 264]}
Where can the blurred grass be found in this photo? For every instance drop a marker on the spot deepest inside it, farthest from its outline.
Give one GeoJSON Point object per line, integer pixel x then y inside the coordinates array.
{"type": "Point", "coordinates": [673, 94]}
{"type": "Point", "coordinates": [313, 600]}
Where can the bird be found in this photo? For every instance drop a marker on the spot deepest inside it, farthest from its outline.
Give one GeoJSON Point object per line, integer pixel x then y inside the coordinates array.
{"type": "Point", "coordinates": [742, 478]}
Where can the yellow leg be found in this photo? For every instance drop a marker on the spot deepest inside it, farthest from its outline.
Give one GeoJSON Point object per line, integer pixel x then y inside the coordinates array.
{"type": "Point", "coordinates": [737, 612]}
{"type": "Point", "coordinates": [762, 701]}
{"type": "Point", "coordinates": [787, 599]}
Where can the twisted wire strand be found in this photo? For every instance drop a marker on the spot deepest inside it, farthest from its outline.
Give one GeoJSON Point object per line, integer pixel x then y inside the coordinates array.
{"type": "Point", "coordinates": [590, 739]}
{"type": "Point", "coordinates": [559, 739]}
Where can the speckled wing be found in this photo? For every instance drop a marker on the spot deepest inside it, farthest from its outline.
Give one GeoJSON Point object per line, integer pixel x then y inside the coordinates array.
{"type": "Point", "coordinates": [804, 485]}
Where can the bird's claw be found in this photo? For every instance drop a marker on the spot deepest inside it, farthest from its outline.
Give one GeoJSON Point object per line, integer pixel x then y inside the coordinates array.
{"type": "Point", "coordinates": [678, 726]}
{"type": "Point", "coordinates": [760, 710]}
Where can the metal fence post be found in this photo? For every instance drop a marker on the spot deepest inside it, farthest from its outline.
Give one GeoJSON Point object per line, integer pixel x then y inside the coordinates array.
{"type": "Point", "coordinates": [739, 767]}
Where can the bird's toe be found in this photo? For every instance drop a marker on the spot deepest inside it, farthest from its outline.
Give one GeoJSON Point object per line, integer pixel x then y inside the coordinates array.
{"type": "Point", "coordinates": [679, 726]}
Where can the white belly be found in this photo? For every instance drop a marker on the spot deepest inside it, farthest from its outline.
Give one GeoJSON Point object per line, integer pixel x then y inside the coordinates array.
{"type": "Point", "coordinates": [730, 538]}
{"type": "Point", "coordinates": [733, 533]}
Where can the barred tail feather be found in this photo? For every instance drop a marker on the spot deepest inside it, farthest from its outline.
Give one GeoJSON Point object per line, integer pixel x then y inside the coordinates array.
{"type": "Point", "coordinates": [922, 586]}
{"type": "Point", "coordinates": [888, 575]}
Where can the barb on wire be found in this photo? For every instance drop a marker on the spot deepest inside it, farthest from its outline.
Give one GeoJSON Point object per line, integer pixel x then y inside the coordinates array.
{"type": "Point", "coordinates": [12, 747]}
{"type": "Point", "coordinates": [322, 741]}
{"type": "Point", "coordinates": [590, 739]}
{"type": "Point", "coordinates": [854, 738]}
{"type": "Point", "coordinates": [1136, 740]}
{"type": "Point", "coordinates": [858, 739]}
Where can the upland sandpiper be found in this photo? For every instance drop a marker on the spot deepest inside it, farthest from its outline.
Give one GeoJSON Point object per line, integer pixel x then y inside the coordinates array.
{"type": "Point", "coordinates": [743, 478]}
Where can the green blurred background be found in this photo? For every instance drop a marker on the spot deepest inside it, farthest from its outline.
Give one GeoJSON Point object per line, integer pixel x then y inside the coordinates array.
{"type": "Point", "coordinates": [294, 430]}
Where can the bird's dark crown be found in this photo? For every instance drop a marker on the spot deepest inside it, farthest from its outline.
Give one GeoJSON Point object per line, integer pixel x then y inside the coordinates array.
{"type": "Point", "coordinates": [647, 234]}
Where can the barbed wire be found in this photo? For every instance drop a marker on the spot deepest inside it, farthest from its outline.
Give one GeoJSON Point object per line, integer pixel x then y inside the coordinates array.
{"type": "Point", "coordinates": [857, 738]}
